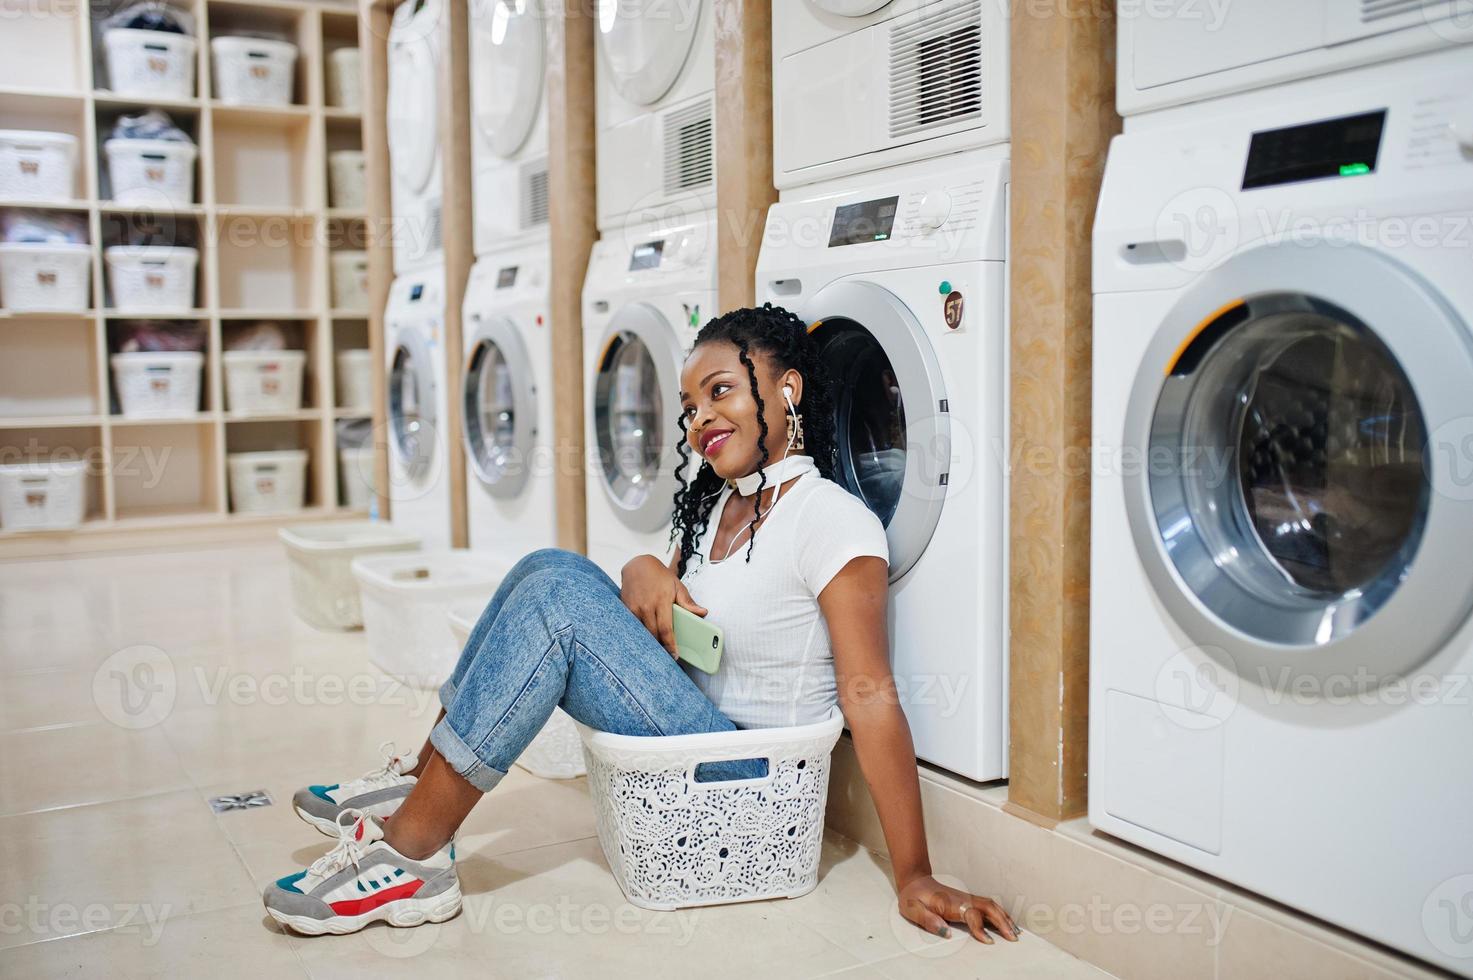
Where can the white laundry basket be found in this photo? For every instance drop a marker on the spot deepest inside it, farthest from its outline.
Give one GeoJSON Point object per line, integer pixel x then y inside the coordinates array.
{"type": "Point", "coordinates": [350, 280]}
{"type": "Point", "coordinates": [320, 559]}
{"type": "Point", "coordinates": [152, 63]}
{"type": "Point", "coordinates": [48, 495]}
{"type": "Point", "coordinates": [345, 179]}
{"type": "Point", "coordinates": [45, 277]}
{"type": "Point", "coordinates": [673, 842]}
{"type": "Point", "coordinates": [263, 382]}
{"type": "Point", "coordinates": [158, 384]}
{"type": "Point", "coordinates": [36, 165]}
{"type": "Point", "coordinates": [345, 80]}
{"type": "Point", "coordinates": [406, 609]}
{"type": "Point", "coordinates": [556, 752]}
{"type": "Point", "coordinates": [355, 379]}
{"type": "Point", "coordinates": [273, 482]}
{"type": "Point", "coordinates": [254, 70]}
{"type": "Point", "coordinates": [355, 473]}
{"type": "Point", "coordinates": [151, 278]}
{"type": "Point", "coordinates": [156, 173]}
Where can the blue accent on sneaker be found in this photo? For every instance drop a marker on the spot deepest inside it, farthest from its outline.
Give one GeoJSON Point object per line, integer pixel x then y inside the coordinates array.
{"type": "Point", "coordinates": [289, 883]}
{"type": "Point", "coordinates": [321, 792]}
{"type": "Point", "coordinates": [398, 872]}
{"type": "Point", "coordinates": [360, 886]}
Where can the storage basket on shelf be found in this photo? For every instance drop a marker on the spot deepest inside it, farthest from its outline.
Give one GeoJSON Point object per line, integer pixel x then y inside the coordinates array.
{"type": "Point", "coordinates": [254, 70]}
{"type": "Point", "coordinates": [406, 608]}
{"type": "Point", "coordinates": [158, 384]}
{"type": "Point", "coordinates": [355, 472]}
{"type": "Point", "coordinates": [36, 276]}
{"type": "Point", "coordinates": [273, 482]}
{"type": "Point", "coordinates": [355, 379]}
{"type": "Point", "coordinates": [151, 172]}
{"type": "Point", "coordinates": [673, 842]}
{"type": "Point", "coordinates": [44, 495]}
{"type": "Point", "coordinates": [152, 63]}
{"type": "Point", "coordinates": [263, 382]}
{"type": "Point", "coordinates": [151, 278]}
{"type": "Point", "coordinates": [345, 180]}
{"type": "Point", "coordinates": [345, 80]}
{"type": "Point", "coordinates": [36, 165]}
{"type": "Point", "coordinates": [350, 280]}
{"type": "Point", "coordinates": [557, 751]}
{"type": "Point", "coordinates": [319, 562]}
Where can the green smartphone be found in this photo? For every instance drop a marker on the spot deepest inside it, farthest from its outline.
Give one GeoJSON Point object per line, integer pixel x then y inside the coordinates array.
{"type": "Point", "coordinates": [697, 641]}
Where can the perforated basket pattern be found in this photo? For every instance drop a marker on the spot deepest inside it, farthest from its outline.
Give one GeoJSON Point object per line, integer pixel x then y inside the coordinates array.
{"type": "Point", "coordinates": [673, 842]}
{"type": "Point", "coordinates": [557, 751]}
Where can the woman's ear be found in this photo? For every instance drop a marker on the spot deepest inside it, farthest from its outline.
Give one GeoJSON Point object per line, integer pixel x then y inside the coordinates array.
{"type": "Point", "coordinates": [792, 379]}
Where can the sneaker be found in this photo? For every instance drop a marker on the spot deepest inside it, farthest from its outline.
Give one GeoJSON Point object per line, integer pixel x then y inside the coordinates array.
{"type": "Point", "coordinates": [364, 880]}
{"type": "Point", "coordinates": [377, 792]}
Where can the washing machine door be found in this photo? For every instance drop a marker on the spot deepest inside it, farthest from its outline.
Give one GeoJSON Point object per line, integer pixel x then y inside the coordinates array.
{"type": "Point", "coordinates": [849, 8]}
{"type": "Point", "coordinates": [500, 406]}
{"type": "Point", "coordinates": [413, 103]}
{"type": "Point", "coordinates": [507, 66]}
{"type": "Point", "coordinates": [412, 404]}
{"type": "Point", "coordinates": [645, 43]}
{"type": "Point", "coordinates": [1282, 483]}
{"type": "Point", "coordinates": [893, 431]}
{"type": "Point", "coordinates": [635, 400]}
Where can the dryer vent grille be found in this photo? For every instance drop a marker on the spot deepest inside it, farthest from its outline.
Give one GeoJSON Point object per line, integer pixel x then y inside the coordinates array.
{"type": "Point", "coordinates": [533, 181]}
{"type": "Point", "coordinates": [1374, 10]}
{"type": "Point", "coordinates": [435, 226]}
{"type": "Point", "coordinates": [936, 69]}
{"type": "Point", "coordinates": [689, 148]}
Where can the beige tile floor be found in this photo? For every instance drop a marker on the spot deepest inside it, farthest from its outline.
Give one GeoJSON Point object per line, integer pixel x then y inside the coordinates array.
{"type": "Point", "coordinates": [134, 688]}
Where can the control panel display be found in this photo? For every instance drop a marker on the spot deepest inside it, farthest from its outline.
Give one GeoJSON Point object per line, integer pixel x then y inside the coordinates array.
{"type": "Point", "coordinates": [1344, 147]}
{"type": "Point", "coordinates": [867, 221]}
{"type": "Point", "coordinates": [646, 256]}
{"type": "Point", "coordinates": [506, 278]}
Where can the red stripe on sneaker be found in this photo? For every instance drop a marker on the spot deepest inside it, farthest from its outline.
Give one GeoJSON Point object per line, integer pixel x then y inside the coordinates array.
{"type": "Point", "coordinates": [357, 906]}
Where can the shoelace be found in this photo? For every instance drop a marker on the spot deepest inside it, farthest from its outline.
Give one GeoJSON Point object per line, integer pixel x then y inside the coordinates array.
{"type": "Point", "coordinates": [393, 767]}
{"type": "Point", "coordinates": [348, 850]}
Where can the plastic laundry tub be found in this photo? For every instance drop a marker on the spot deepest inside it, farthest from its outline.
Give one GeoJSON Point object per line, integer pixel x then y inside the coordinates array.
{"type": "Point", "coordinates": [346, 184]}
{"type": "Point", "coordinates": [45, 277]}
{"type": "Point", "coordinates": [254, 70]}
{"type": "Point", "coordinates": [673, 842]}
{"type": "Point", "coordinates": [345, 79]}
{"type": "Point", "coordinates": [355, 379]}
{"type": "Point", "coordinates": [350, 281]}
{"type": "Point", "coordinates": [44, 495]}
{"type": "Point", "coordinates": [151, 172]}
{"type": "Point", "coordinates": [355, 473]}
{"type": "Point", "coordinates": [37, 165]}
{"type": "Point", "coordinates": [151, 278]}
{"type": "Point", "coordinates": [320, 559]}
{"type": "Point", "coordinates": [557, 751]}
{"type": "Point", "coordinates": [158, 384]}
{"type": "Point", "coordinates": [263, 382]}
{"type": "Point", "coordinates": [152, 63]}
{"type": "Point", "coordinates": [406, 608]}
{"type": "Point", "coordinates": [268, 482]}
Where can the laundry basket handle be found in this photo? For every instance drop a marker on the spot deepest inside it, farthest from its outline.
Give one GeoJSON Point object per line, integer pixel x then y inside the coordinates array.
{"type": "Point", "coordinates": [690, 772]}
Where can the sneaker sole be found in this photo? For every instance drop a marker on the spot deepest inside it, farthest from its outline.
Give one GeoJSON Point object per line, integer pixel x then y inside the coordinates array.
{"type": "Point", "coordinates": [404, 913]}
{"type": "Point", "coordinates": [323, 826]}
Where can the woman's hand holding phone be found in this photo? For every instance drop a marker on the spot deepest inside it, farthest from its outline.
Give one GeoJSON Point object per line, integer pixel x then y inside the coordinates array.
{"type": "Point", "coordinates": [649, 589]}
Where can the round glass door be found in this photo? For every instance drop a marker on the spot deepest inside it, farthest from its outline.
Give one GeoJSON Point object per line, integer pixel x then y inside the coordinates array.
{"type": "Point", "coordinates": [634, 392]}
{"type": "Point", "coordinates": [1285, 505]}
{"type": "Point", "coordinates": [850, 8]}
{"type": "Point", "coordinates": [893, 435]}
{"type": "Point", "coordinates": [412, 406]}
{"type": "Point", "coordinates": [500, 409]}
{"type": "Point", "coordinates": [507, 65]}
{"type": "Point", "coordinates": [412, 99]}
{"type": "Point", "coordinates": [645, 44]}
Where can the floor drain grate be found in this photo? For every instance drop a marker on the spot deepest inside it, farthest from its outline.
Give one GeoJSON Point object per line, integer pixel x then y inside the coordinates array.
{"type": "Point", "coordinates": [241, 801]}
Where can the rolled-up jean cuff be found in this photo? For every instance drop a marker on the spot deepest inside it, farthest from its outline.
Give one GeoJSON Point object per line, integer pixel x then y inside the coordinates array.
{"type": "Point", "coordinates": [462, 759]}
{"type": "Point", "coordinates": [447, 693]}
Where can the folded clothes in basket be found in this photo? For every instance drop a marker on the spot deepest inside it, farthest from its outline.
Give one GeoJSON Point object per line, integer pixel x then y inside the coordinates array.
{"type": "Point", "coordinates": [155, 336]}
{"type": "Point", "coordinates": [42, 227]}
{"type": "Point", "coordinates": [152, 124]}
{"type": "Point", "coordinates": [151, 15]}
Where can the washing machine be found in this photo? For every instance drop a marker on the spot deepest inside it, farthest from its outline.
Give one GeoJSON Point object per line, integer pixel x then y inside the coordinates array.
{"type": "Point", "coordinates": [416, 42]}
{"type": "Point", "coordinates": [655, 79]}
{"type": "Point", "coordinates": [863, 84]}
{"type": "Point", "coordinates": [509, 121]}
{"type": "Point", "coordinates": [649, 290]}
{"type": "Point", "coordinates": [506, 404]}
{"type": "Point", "coordinates": [902, 276]}
{"type": "Point", "coordinates": [418, 410]}
{"type": "Point", "coordinates": [1282, 507]}
{"type": "Point", "coordinates": [1180, 51]}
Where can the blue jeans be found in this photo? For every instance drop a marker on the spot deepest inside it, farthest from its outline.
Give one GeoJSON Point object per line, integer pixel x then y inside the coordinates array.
{"type": "Point", "coordinates": [556, 634]}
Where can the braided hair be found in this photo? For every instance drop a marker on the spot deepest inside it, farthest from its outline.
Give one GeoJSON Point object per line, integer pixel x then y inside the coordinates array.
{"type": "Point", "coordinates": [784, 338]}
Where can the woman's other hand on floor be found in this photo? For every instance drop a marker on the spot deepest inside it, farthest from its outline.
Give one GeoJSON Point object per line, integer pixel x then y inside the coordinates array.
{"type": "Point", "coordinates": [931, 905]}
{"type": "Point", "coordinates": [649, 588]}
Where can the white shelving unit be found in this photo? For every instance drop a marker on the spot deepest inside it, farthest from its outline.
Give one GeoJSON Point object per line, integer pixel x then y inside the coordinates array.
{"type": "Point", "coordinates": [265, 236]}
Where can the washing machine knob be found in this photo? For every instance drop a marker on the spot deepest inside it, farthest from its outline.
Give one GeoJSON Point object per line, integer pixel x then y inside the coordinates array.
{"type": "Point", "coordinates": [933, 211]}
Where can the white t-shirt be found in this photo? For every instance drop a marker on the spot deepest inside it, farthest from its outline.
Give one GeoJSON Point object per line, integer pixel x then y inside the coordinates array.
{"type": "Point", "coordinates": [777, 668]}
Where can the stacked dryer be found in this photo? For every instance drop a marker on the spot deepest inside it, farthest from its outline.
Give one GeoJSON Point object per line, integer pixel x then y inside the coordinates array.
{"type": "Point", "coordinates": [651, 279]}
{"type": "Point", "coordinates": [1280, 602]}
{"type": "Point", "coordinates": [419, 487]}
{"type": "Point", "coordinates": [506, 390]}
{"type": "Point", "coordinates": [889, 239]}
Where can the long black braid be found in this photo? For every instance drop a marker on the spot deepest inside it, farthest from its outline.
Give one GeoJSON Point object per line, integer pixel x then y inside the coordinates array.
{"type": "Point", "coordinates": [784, 338]}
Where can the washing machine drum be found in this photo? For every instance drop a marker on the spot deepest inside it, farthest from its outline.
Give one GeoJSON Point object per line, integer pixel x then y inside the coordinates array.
{"type": "Point", "coordinates": [1282, 485]}
{"type": "Point", "coordinates": [849, 8]}
{"type": "Point", "coordinates": [507, 62]}
{"type": "Point", "coordinates": [635, 400]}
{"type": "Point", "coordinates": [645, 44]}
{"type": "Point", "coordinates": [413, 114]}
{"type": "Point", "coordinates": [891, 429]}
{"type": "Point", "coordinates": [412, 405]}
{"type": "Point", "coordinates": [500, 408]}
